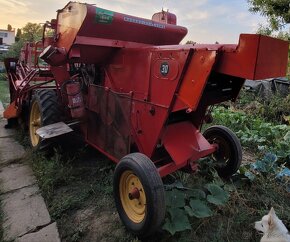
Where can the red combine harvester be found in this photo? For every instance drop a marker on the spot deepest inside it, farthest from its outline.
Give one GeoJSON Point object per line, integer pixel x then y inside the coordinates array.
{"type": "Point", "coordinates": [137, 96]}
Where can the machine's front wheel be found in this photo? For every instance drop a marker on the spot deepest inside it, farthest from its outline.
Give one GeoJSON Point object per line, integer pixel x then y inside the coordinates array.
{"type": "Point", "coordinates": [139, 194]}
{"type": "Point", "coordinates": [44, 110]}
{"type": "Point", "coordinates": [228, 156]}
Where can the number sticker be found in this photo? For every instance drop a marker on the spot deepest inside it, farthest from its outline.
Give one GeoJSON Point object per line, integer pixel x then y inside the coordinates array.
{"type": "Point", "coordinates": [164, 68]}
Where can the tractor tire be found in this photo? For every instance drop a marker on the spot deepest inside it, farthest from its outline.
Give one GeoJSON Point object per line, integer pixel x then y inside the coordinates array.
{"type": "Point", "coordinates": [44, 110]}
{"type": "Point", "coordinates": [228, 157]}
{"type": "Point", "coordinates": [139, 194]}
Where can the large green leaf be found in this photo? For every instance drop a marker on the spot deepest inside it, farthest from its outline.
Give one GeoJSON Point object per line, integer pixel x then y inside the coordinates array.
{"type": "Point", "coordinates": [196, 193]}
{"type": "Point", "coordinates": [177, 222]}
{"type": "Point", "coordinates": [250, 175]}
{"type": "Point", "coordinates": [267, 164]}
{"type": "Point", "coordinates": [176, 185]}
{"type": "Point", "coordinates": [198, 209]}
{"type": "Point", "coordinates": [287, 136]}
{"type": "Point", "coordinates": [218, 196]}
{"type": "Point", "coordinates": [175, 198]}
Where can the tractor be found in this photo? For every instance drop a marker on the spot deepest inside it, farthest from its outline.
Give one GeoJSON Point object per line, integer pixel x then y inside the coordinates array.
{"type": "Point", "coordinates": [136, 95]}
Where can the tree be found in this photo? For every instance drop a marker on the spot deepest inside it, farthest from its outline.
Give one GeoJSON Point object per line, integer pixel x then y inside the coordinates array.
{"type": "Point", "coordinates": [14, 51]}
{"type": "Point", "coordinates": [18, 35]}
{"type": "Point", "coordinates": [31, 32]}
{"type": "Point", "coordinates": [9, 27]}
{"type": "Point", "coordinates": [277, 11]}
{"type": "Point", "coordinates": [264, 30]}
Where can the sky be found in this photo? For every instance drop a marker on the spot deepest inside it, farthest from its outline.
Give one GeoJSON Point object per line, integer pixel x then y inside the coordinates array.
{"type": "Point", "coordinates": [207, 21]}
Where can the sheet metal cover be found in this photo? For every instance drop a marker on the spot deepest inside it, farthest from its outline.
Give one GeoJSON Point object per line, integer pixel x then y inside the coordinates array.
{"type": "Point", "coordinates": [53, 130]}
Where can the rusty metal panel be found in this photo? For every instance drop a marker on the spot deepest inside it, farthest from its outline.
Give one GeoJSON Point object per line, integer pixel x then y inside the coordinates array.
{"type": "Point", "coordinates": [256, 57]}
{"type": "Point", "coordinates": [69, 20]}
{"type": "Point", "coordinates": [109, 121]}
{"type": "Point", "coordinates": [53, 130]}
{"type": "Point", "coordinates": [185, 143]}
{"type": "Point", "coordinates": [196, 76]}
{"type": "Point", "coordinates": [271, 63]}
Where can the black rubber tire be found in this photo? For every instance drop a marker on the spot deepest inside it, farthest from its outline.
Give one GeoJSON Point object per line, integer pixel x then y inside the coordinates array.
{"type": "Point", "coordinates": [147, 173]}
{"type": "Point", "coordinates": [50, 111]}
{"type": "Point", "coordinates": [219, 133]}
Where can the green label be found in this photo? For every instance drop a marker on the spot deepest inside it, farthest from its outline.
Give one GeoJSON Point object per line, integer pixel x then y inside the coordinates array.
{"type": "Point", "coordinates": [104, 16]}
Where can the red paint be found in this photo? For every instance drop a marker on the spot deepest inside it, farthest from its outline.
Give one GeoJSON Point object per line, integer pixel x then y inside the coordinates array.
{"type": "Point", "coordinates": [151, 94]}
{"type": "Point", "coordinates": [256, 57]}
{"type": "Point", "coordinates": [196, 77]}
{"type": "Point", "coordinates": [185, 143]}
{"type": "Point", "coordinates": [75, 100]}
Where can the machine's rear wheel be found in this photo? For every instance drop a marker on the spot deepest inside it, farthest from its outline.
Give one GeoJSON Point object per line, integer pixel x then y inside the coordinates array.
{"type": "Point", "coordinates": [44, 110]}
{"type": "Point", "coordinates": [228, 156]}
{"type": "Point", "coordinates": [139, 194]}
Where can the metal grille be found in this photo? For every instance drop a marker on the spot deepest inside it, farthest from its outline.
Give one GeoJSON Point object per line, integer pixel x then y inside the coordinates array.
{"type": "Point", "coordinates": [109, 120]}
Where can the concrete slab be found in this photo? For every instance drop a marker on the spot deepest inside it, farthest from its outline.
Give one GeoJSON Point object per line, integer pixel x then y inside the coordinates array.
{"type": "Point", "coordinates": [24, 210]}
{"type": "Point", "coordinates": [1, 109]}
{"type": "Point", "coordinates": [47, 234]}
{"type": "Point", "coordinates": [16, 176]}
{"type": "Point", "coordinates": [10, 150]}
{"type": "Point", "coordinates": [5, 132]}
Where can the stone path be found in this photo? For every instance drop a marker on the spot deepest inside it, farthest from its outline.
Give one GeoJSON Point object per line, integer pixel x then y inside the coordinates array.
{"type": "Point", "coordinates": [25, 218]}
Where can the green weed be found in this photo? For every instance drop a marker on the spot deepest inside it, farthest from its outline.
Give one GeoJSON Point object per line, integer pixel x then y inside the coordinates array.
{"type": "Point", "coordinates": [247, 203]}
{"type": "Point", "coordinates": [273, 109]}
{"type": "Point", "coordinates": [197, 200]}
{"type": "Point", "coordinates": [4, 91]}
{"type": "Point", "coordinates": [74, 181]}
{"type": "Point", "coordinates": [255, 133]}
{"type": "Point", "coordinates": [51, 172]}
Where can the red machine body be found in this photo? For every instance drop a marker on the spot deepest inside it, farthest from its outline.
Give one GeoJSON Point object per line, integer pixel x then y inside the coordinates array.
{"type": "Point", "coordinates": [75, 100]}
{"type": "Point", "coordinates": [141, 90]}
{"type": "Point", "coordinates": [148, 81]}
{"type": "Point", "coordinates": [137, 96]}
{"type": "Point", "coordinates": [84, 28]}
{"type": "Point", "coordinates": [26, 74]}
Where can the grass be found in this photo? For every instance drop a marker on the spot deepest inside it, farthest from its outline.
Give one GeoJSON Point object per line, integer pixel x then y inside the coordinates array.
{"type": "Point", "coordinates": [4, 90]}
{"type": "Point", "coordinates": [78, 191]}
{"type": "Point", "coordinates": [234, 222]}
{"type": "Point", "coordinates": [272, 109]}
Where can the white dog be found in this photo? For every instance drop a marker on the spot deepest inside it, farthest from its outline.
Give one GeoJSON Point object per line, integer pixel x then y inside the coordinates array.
{"type": "Point", "coordinates": [272, 228]}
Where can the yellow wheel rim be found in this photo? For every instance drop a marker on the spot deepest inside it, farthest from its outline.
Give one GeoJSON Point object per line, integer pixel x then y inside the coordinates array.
{"type": "Point", "coordinates": [34, 123]}
{"type": "Point", "coordinates": [132, 196]}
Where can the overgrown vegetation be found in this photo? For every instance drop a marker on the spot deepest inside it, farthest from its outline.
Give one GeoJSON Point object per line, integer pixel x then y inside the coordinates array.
{"type": "Point", "coordinates": [255, 133]}
{"type": "Point", "coordinates": [197, 201]}
{"type": "Point", "coordinates": [254, 190]}
{"type": "Point", "coordinates": [78, 191]}
{"type": "Point", "coordinates": [4, 90]}
{"type": "Point", "coordinates": [248, 202]}
{"type": "Point", "coordinates": [272, 109]}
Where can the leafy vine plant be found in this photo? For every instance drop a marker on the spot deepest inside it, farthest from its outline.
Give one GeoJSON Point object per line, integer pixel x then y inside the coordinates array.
{"type": "Point", "coordinates": [183, 202]}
